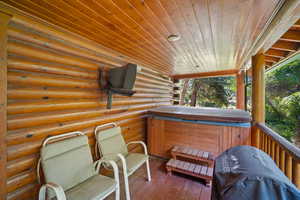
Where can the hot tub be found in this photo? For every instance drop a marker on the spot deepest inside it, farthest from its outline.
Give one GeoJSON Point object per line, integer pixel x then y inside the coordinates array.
{"type": "Point", "coordinates": [209, 129]}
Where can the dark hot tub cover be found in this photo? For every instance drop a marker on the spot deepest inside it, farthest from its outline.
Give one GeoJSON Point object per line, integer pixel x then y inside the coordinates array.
{"type": "Point", "coordinates": [246, 173]}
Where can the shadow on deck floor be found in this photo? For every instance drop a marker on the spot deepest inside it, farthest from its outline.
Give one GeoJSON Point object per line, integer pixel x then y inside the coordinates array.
{"type": "Point", "coordinates": [162, 186]}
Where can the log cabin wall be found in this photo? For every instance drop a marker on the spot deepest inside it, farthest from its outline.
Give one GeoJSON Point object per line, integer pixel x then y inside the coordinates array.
{"type": "Point", "coordinates": [53, 88]}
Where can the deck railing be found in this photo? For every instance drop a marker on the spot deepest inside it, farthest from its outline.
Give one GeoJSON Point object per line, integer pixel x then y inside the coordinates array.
{"type": "Point", "coordinates": [284, 153]}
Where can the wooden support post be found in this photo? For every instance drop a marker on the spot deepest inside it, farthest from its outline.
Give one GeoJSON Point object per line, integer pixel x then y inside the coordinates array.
{"type": "Point", "coordinates": [258, 93]}
{"type": "Point", "coordinates": [258, 88]}
{"type": "Point", "coordinates": [240, 91]}
{"type": "Point", "coordinates": [4, 19]}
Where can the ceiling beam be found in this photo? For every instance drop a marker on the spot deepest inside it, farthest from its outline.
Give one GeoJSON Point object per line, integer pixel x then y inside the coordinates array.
{"type": "Point", "coordinates": [290, 58]}
{"type": "Point", "coordinates": [271, 59]}
{"type": "Point", "coordinates": [291, 36]}
{"type": "Point", "coordinates": [276, 53]}
{"type": "Point", "coordinates": [230, 72]}
{"type": "Point", "coordinates": [285, 46]}
{"type": "Point", "coordinates": [268, 64]}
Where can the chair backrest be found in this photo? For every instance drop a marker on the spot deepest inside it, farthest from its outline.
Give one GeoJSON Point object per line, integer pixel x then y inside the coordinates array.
{"type": "Point", "coordinates": [67, 162]}
{"type": "Point", "coordinates": [110, 143]}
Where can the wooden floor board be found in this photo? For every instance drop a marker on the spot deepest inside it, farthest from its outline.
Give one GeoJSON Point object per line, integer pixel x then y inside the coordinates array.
{"type": "Point", "coordinates": [163, 186]}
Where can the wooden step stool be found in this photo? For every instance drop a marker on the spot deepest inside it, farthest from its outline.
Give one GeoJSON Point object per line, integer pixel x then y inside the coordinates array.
{"type": "Point", "coordinates": [203, 170]}
{"type": "Point", "coordinates": [193, 154]}
{"type": "Point", "coordinates": [197, 170]}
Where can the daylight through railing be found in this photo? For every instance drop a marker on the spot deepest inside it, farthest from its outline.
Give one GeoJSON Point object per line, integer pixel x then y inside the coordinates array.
{"type": "Point", "coordinates": [285, 154]}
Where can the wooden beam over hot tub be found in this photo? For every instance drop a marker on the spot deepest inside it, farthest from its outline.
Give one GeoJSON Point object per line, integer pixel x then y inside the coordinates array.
{"type": "Point", "coordinates": [230, 72]}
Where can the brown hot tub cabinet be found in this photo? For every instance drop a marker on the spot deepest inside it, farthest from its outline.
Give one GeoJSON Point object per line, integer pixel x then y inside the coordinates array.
{"type": "Point", "coordinates": [209, 129]}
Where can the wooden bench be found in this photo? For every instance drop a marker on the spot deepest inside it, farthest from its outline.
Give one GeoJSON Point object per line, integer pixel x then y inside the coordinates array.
{"type": "Point", "coordinates": [192, 169]}
{"type": "Point", "coordinates": [193, 154]}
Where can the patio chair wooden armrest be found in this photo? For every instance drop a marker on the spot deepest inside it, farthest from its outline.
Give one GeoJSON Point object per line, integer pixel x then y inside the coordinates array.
{"type": "Point", "coordinates": [112, 163]}
{"type": "Point", "coordinates": [57, 189]}
{"type": "Point", "coordinates": [139, 142]}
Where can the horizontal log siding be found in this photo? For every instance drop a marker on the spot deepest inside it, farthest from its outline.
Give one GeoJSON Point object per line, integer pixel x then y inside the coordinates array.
{"type": "Point", "coordinates": [53, 88]}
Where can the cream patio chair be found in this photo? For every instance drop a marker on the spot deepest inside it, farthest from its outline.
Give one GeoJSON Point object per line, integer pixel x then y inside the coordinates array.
{"type": "Point", "coordinates": [112, 146]}
{"type": "Point", "coordinates": [70, 172]}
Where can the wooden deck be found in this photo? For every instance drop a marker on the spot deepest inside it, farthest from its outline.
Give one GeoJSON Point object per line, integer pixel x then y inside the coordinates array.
{"type": "Point", "coordinates": [164, 187]}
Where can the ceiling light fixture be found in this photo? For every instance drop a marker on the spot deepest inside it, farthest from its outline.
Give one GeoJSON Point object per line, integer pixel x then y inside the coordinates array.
{"type": "Point", "coordinates": [173, 37]}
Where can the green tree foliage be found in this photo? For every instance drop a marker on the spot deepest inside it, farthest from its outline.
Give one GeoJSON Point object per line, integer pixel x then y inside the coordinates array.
{"type": "Point", "coordinates": [283, 99]}
{"type": "Point", "coordinates": [291, 106]}
{"type": "Point", "coordinates": [284, 80]}
{"type": "Point", "coordinates": [212, 92]}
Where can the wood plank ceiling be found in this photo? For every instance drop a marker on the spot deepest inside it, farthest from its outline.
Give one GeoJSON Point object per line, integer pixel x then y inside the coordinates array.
{"type": "Point", "coordinates": [288, 44]}
{"type": "Point", "coordinates": [215, 34]}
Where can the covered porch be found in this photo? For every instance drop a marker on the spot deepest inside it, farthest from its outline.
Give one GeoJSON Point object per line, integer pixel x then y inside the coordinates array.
{"type": "Point", "coordinates": [53, 53]}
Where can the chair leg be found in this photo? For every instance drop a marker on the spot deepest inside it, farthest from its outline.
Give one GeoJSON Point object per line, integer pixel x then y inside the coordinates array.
{"type": "Point", "coordinates": [117, 192]}
{"type": "Point", "coordinates": [42, 193]}
{"type": "Point", "coordinates": [126, 184]}
{"type": "Point", "coordinates": [148, 170]}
